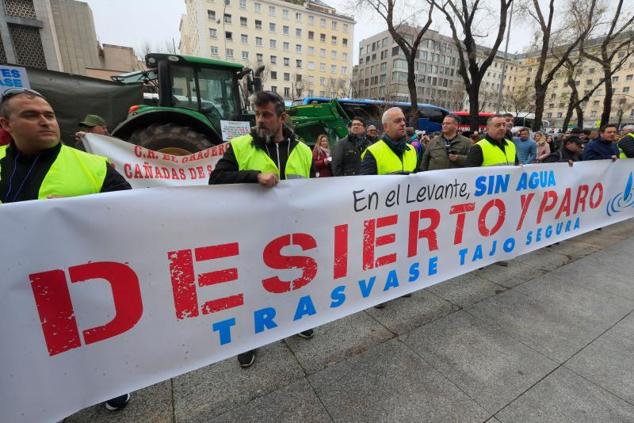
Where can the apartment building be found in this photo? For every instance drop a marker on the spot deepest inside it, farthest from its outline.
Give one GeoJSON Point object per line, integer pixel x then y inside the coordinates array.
{"type": "Point", "coordinates": [587, 75]}
{"type": "Point", "coordinates": [305, 46]}
{"type": "Point", "coordinates": [58, 35]}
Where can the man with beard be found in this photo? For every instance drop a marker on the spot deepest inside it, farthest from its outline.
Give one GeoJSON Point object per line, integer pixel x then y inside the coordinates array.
{"type": "Point", "coordinates": [346, 158]}
{"type": "Point", "coordinates": [270, 153]}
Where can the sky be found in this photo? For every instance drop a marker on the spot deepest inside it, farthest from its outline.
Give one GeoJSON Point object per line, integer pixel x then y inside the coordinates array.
{"type": "Point", "coordinates": [144, 21]}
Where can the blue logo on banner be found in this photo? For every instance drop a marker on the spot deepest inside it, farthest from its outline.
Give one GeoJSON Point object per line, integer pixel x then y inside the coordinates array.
{"type": "Point", "coordinates": [622, 200]}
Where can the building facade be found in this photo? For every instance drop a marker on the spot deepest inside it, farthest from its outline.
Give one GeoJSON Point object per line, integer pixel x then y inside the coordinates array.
{"type": "Point", "coordinates": [382, 70]}
{"type": "Point", "coordinates": [305, 46]}
{"type": "Point", "coordinates": [58, 35]}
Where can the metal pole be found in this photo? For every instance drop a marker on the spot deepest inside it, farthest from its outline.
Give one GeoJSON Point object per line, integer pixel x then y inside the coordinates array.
{"type": "Point", "coordinates": [506, 51]}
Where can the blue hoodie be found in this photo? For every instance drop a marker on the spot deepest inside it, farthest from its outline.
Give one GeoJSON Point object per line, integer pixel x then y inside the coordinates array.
{"type": "Point", "coordinates": [600, 149]}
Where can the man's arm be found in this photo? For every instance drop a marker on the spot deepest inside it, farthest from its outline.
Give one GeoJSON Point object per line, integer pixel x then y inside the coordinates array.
{"type": "Point", "coordinates": [424, 163]}
{"type": "Point", "coordinates": [532, 152]}
{"type": "Point", "coordinates": [589, 153]}
{"type": "Point", "coordinates": [114, 181]}
{"type": "Point", "coordinates": [226, 171]}
{"type": "Point", "coordinates": [337, 159]}
{"type": "Point", "coordinates": [475, 157]}
{"type": "Point", "coordinates": [368, 165]}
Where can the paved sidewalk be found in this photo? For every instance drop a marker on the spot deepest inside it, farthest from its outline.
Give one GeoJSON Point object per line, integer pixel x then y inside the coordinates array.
{"type": "Point", "coordinates": [550, 338]}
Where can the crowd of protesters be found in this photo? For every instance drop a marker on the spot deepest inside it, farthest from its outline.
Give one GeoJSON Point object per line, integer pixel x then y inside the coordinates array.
{"type": "Point", "coordinates": [450, 148]}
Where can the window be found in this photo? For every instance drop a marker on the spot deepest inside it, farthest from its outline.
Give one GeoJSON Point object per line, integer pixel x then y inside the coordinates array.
{"type": "Point", "coordinates": [344, 56]}
{"type": "Point", "coordinates": [227, 18]}
{"type": "Point", "coordinates": [588, 81]}
{"type": "Point", "coordinates": [245, 55]}
{"type": "Point", "coordinates": [243, 4]}
{"type": "Point", "coordinates": [257, 7]}
{"type": "Point", "coordinates": [287, 61]}
{"type": "Point", "coordinates": [311, 65]}
{"type": "Point", "coordinates": [298, 63]}
{"type": "Point", "coordinates": [258, 24]}
{"type": "Point", "coordinates": [322, 22]}
{"type": "Point", "coordinates": [213, 33]}
{"type": "Point", "coordinates": [298, 32]}
{"type": "Point", "coordinates": [311, 51]}
{"type": "Point", "coordinates": [395, 51]}
{"type": "Point", "coordinates": [345, 27]}
{"type": "Point", "coordinates": [286, 45]}
{"type": "Point", "coordinates": [298, 77]}
{"type": "Point", "coordinates": [298, 17]}
{"type": "Point", "coordinates": [287, 92]}
{"type": "Point", "coordinates": [311, 35]}
{"type": "Point", "coordinates": [334, 25]}
{"type": "Point", "coordinates": [243, 21]}
{"type": "Point", "coordinates": [615, 79]}
{"type": "Point", "coordinates": [259, 57]}
{"type": "Point", "coordinates": [273, 75]}
{"type": "Point", "coordinates": [287, 76]}
{"type": "Point", "coordinates": [229, 35]}
{"type": "Point", "coordinates": [333, 54]}
{"type": "Point", "coordinates": [285, 30]}
{"type": "Point", "coordinates": [333, 40]}
{"type": "Point", "coordinates": [629, 77]}
{"type": "Point", "coordinates": [271, 10]}
{"type": "Point", "coordinates": [285, 13]}
{"type": "Point", "coordinates": [274, 60]}
{"type": "Point", "coordinates": [214, 51]}
{"type": "Point", "coordinates": [322, 52]}
{"type": "Point", "coordinates": [229, 53]}
{"type": "Point", "coordinates": [244, 39]}
{"type": "Point", "coordinates": [322, 38]}
{"type": "Point", "coordinates": [311, 20]}
{"type": "Point", "coordinates": [626, 89]}
{"type": "Point", "coordinates": [211, 14]}
{"type": "Point", "coordinates": [258, 41]}
{"type": "Point", "coordinates": [322, 81]}
{"type": "Point", "coordinates": [273, 44]}
{"type": "Point", "coordinates": [271, 27]}
{"type": "Point", "coordinates": [298, 48]}
{"type": "Point", "coordinates": [345, 42]}
{"type": "Point", "coordinates": [322, 67]}
{"type": "Point", "coordinates": [344, 70]}
{"type": "Point", "coordinates": [274, 88]}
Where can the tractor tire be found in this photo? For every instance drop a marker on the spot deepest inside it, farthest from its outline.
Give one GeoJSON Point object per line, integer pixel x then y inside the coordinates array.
{"type": "Point", "coordinates": [170, 138]}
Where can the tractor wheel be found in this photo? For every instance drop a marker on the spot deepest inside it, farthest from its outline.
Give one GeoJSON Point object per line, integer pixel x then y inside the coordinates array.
{"type": "Point", "coordinates": [170, 138]}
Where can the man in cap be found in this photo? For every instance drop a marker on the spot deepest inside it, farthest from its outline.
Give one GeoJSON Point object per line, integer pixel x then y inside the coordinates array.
{"type": "Point", "coordinates": [92, 124]}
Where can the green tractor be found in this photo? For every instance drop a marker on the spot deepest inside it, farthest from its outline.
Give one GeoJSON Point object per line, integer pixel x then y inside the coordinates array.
{"type": "Point", "coordinates": [193, 97]}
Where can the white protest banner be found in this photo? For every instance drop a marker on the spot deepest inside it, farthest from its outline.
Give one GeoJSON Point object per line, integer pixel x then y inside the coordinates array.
{"type": "Point", "coordinates": [109, 293]}
{"type": "Point", "coordinates": [233, 128]}
{"type": "Point", "coordinates": [144, 168]}
{"type": "Point", "coordinates": [13, 77]}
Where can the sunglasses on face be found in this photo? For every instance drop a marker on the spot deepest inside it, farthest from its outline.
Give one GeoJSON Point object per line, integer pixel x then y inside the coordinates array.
{"type": "Point", "coordinates": [12, 92]}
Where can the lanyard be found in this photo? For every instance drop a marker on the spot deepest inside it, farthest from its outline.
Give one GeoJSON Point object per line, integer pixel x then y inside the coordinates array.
{"type": "Point", "coordinates": [8, 199]}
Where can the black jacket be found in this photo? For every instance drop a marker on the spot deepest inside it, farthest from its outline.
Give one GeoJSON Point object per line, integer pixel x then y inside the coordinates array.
{"type": "Point", "coordinates": [562, 155]}
{"type": "Point", "coordinates": [627, 145]}
{"type": "Point", "coordinates": [22, 176]}
{"type": "Point", "coordinates": [227, 169]}
{"type": "Point", "coordinates": [346, 158]}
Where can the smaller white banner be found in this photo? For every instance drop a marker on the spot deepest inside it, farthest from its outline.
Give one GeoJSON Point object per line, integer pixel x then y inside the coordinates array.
{"type": "Point", "coordinates": [233, 128]}
{"type": "Point", "coordinates": [13, 77]}
{"type": "Point", "coordinates": [144, 168]}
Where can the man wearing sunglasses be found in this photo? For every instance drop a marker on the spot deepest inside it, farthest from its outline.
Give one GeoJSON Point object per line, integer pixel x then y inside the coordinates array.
{"type": "Point", "coordinates": [35, 164]}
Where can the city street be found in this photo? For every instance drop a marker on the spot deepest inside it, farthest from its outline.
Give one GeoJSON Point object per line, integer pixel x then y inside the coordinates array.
{"type": "Point", "coordinates": [549, 338]}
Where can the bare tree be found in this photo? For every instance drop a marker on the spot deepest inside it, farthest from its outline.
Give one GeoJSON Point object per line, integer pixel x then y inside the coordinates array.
{"type": "Point", "coordinates": [616, 42]}
{"type": "Point", "coordinates": [408, 39]}
{"type": "Point", "coordinates": [572, 71]}
{"type": "Point", "coordinates": [461, 16]}
{"type": "Point", "coordinates": [544, 76]}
